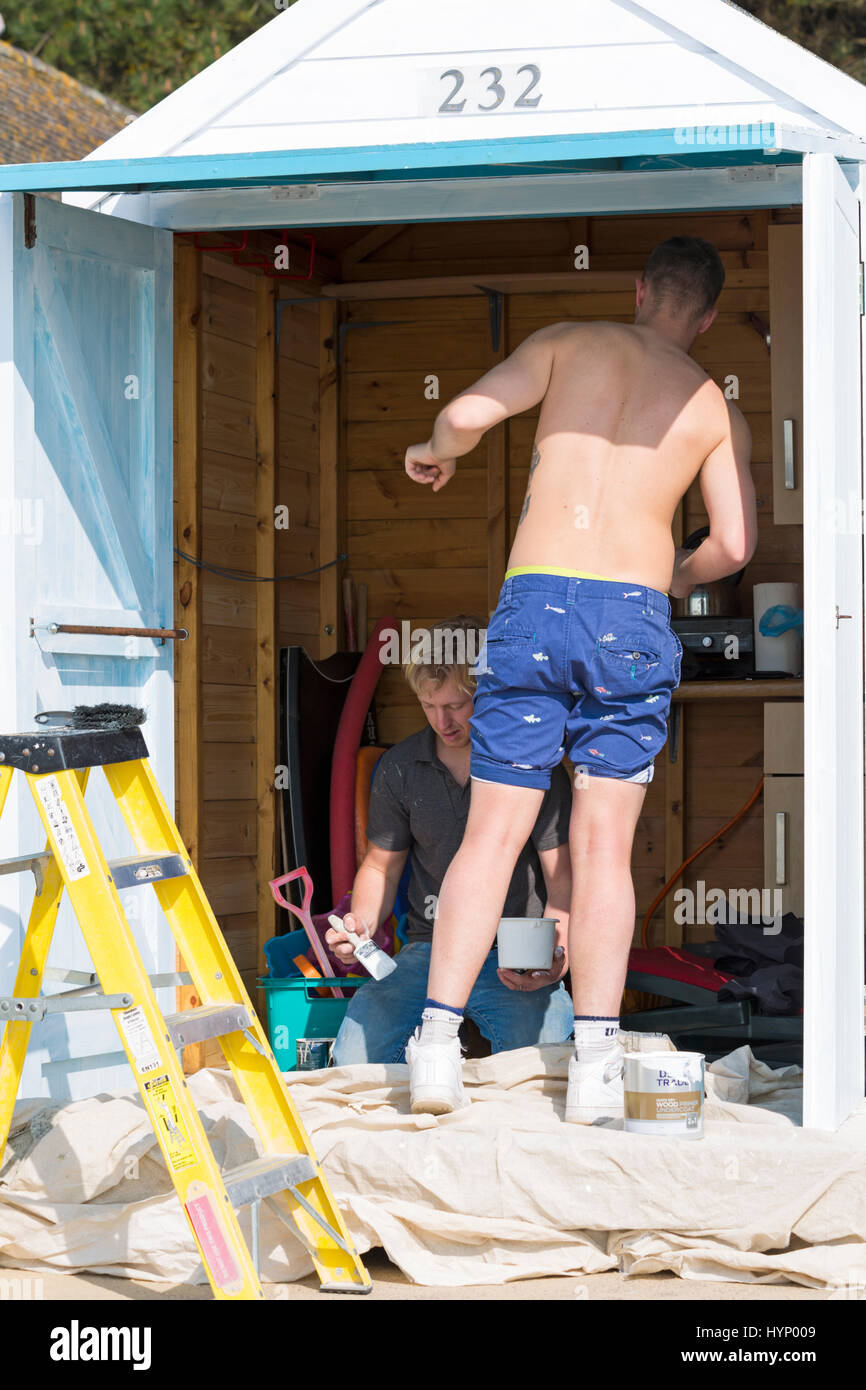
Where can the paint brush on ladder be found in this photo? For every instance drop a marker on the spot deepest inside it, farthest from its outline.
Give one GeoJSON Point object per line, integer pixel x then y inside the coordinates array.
{"type": "Point", "coordinates": [374, 960]}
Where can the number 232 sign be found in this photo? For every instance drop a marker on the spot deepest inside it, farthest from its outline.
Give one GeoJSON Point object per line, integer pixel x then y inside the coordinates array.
{"type": "Point", "coordinates": [472, 93]}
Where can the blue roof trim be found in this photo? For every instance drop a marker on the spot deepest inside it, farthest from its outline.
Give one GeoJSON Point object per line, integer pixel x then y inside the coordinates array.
{"type": "Point", "coordinates": [701, 144]}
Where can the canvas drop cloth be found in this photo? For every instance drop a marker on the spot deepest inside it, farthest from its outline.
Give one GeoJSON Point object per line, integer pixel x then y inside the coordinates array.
{"type": "Point", "coordinates": [503, 1190]}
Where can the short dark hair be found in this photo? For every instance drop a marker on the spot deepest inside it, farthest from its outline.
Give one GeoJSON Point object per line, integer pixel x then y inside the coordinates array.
{"type": "Point", "coordinates": [686, 273]}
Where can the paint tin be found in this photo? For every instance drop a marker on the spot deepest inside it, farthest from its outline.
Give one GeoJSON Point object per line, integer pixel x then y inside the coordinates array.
{"type": "Point", "coordinates": [664, 1093]}
{"type": "Point", "coordinates": [313, 1053]}
{"type": "Point", "coordinates": [526, 943]}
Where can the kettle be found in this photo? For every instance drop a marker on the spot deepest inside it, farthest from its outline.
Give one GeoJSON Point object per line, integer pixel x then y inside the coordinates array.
{"type": "Point", "coordinates": [716, 598]}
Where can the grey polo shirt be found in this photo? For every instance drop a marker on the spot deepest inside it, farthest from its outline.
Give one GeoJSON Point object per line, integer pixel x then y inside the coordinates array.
{"type": "Point", "coordinates": [416, 804]}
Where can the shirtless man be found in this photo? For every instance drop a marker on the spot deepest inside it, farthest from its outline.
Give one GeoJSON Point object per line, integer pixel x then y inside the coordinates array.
{"type": "Point", "coordinates": [580, 653]}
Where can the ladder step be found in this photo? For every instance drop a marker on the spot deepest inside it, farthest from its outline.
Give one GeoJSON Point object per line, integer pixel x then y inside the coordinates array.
{"type": "Point", "coordinates": [130, 872]}
{"type": "Point", "coordinates": [22, 862]}
{"type": "Point", "coordinates": [137, 869]}
{"type": "Point", "coordinates": [267, 1176]}
{"type": "Point", "coordinates": [210, 1021]}
{"type": "Point", "coordinates": [178, 978]}
{"type": "Point", "coordinates": [64, 749]}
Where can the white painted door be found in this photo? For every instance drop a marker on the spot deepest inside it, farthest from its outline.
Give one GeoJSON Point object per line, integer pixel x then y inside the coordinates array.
{"type": "Point", "coordinates": [85, 538]}
{"type": "Point", "coordinates": [833, 645]}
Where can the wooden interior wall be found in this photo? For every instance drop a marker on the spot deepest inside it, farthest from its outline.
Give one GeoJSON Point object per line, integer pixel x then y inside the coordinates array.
{"type": "Point", "coordinates": [228, 692]}
{"type": "Point", "coordinates": [424, 556]}
{"type": "Point", "coordinates": [298, 475]}
{"type": "Point", "coordinates": [246, 500]}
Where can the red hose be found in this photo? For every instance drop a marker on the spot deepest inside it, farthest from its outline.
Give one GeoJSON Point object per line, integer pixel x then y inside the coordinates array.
{"type": "Point", "coordinates": [346, 745]}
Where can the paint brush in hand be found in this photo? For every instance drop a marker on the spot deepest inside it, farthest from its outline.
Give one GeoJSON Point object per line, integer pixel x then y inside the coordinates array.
{"type": "Point", "coordinates": [366, 952]}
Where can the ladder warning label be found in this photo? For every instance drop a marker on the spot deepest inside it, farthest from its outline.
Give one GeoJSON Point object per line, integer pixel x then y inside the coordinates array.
{"type": "Point", "coordinates": [68, 846]}
{"type": "Point", "coordinates": [160, 1093]}
{"type": "Point", "coordinates": [217, 1254]}
{"type": "Point", "coordinates": [139, 1039]}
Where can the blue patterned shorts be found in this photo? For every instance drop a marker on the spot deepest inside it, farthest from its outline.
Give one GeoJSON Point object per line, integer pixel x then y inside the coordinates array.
{"type": "Point", "coordinates": [585, 667]}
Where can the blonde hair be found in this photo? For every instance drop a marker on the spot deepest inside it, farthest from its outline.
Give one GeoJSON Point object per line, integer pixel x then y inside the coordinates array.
{"type": "Point", "coordinates": [448, 648]}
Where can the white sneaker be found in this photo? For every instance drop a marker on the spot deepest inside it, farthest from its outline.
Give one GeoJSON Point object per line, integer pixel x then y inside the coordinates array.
{"type": "Point", "coordinates": [435, 1076]}
{"type": "Point", "coordinates": [595, 1089]}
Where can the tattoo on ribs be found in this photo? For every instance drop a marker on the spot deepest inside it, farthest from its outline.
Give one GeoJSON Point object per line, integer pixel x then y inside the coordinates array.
{"type": "Point", "coordinates": [533, 464]}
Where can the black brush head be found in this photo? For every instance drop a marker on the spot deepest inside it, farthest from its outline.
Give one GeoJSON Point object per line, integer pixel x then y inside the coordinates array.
{"type": "Point", "coordinates": [106, 716]}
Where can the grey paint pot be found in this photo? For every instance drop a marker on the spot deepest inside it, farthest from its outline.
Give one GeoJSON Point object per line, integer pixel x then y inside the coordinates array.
{"type": "Point", "coordinates": [526, 943]}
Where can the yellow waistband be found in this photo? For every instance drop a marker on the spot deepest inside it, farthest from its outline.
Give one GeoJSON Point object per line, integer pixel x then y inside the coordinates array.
{"type": "Point", "coordinates": [566, 574]}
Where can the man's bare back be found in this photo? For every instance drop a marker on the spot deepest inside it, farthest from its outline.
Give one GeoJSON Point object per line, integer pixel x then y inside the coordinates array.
{"type": "Point", "coordinates": [628, 420]}
{"type": "Point", "coordinates": [626, 423]}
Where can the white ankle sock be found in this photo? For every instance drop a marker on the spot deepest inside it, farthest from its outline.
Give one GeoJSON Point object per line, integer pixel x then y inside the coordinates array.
{"type": "Point", "coordinates": [439, 1025]}
{"type": "Point", "coordinates": [594, 1037]}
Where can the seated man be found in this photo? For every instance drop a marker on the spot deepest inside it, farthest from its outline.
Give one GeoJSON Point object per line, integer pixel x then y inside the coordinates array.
{"type": "Point", "coordinates": [419, 804]}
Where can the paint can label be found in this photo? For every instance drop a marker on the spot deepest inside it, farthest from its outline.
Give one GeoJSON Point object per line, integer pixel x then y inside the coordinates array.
{"type": "Point", "coordinates": [642, 1106]}
{"type": "Point", "coordinates": [664, 1093]}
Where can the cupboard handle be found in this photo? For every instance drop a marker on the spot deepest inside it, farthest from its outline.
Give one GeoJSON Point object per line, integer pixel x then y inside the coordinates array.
{"type": "Point", "coordinates": [788, 437]}
{"type": "Point", "coordinates": [781, 847]}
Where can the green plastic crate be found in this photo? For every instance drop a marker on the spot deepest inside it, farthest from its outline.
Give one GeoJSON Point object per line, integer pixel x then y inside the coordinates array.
{"type": "Point", "coordinates": [295, 1010]}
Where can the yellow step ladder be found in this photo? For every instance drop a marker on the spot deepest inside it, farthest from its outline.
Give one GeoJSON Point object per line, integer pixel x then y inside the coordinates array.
{"type": "Point", "coordinates": [288, 1177]}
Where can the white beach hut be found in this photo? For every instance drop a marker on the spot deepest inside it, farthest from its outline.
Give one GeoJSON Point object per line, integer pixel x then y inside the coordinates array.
{"type": "Point", "coordinates": [381, 114]}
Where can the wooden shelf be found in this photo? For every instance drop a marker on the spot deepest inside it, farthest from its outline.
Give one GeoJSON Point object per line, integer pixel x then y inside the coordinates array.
{"type": "Point", "coordinates": [513, 282]}
{"type": "Point", "coordinates": [767, 689]}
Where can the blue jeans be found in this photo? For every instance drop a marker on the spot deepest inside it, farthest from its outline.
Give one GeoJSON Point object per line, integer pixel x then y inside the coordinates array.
{"type": "Point", "coordinates": [383, 1014]}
